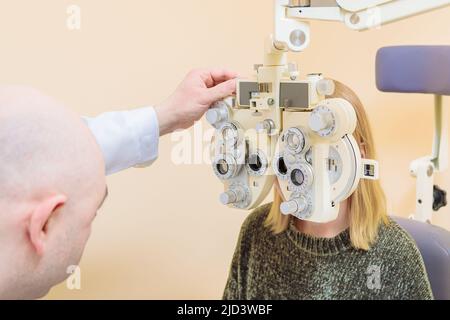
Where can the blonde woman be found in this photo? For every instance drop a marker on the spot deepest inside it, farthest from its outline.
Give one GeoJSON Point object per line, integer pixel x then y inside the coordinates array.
{"type": "Point", "coordinates": [361, 255]}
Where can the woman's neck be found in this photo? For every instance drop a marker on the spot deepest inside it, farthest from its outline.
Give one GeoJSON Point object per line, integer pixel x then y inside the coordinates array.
{"type": "Point", "coordinates": [326, 230]}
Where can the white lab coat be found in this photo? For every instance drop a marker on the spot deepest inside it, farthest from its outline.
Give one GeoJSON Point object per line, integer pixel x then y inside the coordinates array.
{"type": "Point", "coordinates": [127, 138]}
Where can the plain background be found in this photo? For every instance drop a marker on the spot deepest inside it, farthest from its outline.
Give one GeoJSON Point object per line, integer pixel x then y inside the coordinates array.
{"type": "Point", "coordinates": [162, 233]}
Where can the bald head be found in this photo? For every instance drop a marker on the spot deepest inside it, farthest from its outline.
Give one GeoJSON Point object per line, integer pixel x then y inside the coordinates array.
{"type": "Point", "coordinates": [44, 145]}
{"type": "Point", "coordinates": [52, 182]}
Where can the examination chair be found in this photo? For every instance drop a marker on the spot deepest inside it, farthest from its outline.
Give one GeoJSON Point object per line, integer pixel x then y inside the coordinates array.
{"type": "Point", "coordinates": [434, 245]}
{"type": "Point", "coordinates": [423, 69]}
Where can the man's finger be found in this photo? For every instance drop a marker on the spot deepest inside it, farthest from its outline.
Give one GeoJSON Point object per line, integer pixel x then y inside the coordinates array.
{"type": "Point", "coordinates": [207, 79]}
{"type": "Point", "coordinates": [222, 75]}
{"type": "Point", "coordinates": [221, 91]}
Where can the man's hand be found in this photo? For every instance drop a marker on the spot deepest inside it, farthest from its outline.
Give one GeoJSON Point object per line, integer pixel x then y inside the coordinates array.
{"type": "Point", "coordinates": [193, 97]}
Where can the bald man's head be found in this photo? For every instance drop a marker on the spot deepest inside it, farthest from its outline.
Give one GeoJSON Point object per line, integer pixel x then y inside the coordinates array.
{"type": "Point", "coordinates": [52, 182]}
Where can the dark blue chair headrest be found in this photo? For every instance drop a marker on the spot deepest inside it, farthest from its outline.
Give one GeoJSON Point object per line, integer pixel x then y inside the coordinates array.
{"type": "Point", "coordinates": [414, 69]}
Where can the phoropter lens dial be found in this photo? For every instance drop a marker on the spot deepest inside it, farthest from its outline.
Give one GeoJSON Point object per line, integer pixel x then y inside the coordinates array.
{"type": "Point", "coordinates": [280, 167]}
{"type": "Point", "coordinates": [301, 176]}
{"type": "Point", "coordinates": [257, 163]}
{"type": "Point", "coordinates": [225, 166]}
{"type": "Point", "coordinates": [230, 133]}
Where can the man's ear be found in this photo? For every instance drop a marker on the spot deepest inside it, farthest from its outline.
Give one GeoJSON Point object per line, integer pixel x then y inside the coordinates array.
{"type": "Point", "coordinates": [40, 215]}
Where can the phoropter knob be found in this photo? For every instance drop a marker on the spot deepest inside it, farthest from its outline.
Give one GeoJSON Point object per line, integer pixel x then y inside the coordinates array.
{"type": "Point", "coordinates": [320, 121]}
{"type": "Point", "coordinates": [217, 114]}
{"type": "Point", "coordinates": [267, 126]}
{"type": "Point", "coordinates": [440, 198]}
{"type": "Point", "coordinates": [232, 196]}
{"type": "Point", "coordinates": [294, 206]}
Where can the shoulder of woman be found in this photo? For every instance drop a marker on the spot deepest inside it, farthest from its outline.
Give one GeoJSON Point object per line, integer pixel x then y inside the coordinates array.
{"type": "Point", "coordinates": [396, 240]}
{"type": "Point", "coordinates": [254, 223]}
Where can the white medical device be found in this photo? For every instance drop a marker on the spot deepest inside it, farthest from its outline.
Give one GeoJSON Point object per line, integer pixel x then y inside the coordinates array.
{"type": "Point", "coordinates": [430, 197]}
{"type": "Point", "coordinates": [292, 28]}
{"type": "Point", "coordinates": [285, 128]}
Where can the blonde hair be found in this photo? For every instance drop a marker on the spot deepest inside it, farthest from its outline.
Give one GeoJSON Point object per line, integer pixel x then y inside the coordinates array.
{"type": "Point", "coordinates": [367, 205]}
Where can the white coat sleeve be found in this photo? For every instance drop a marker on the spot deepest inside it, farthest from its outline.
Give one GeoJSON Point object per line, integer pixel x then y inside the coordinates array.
{"type": "Point", "coordinates": [126, 138]}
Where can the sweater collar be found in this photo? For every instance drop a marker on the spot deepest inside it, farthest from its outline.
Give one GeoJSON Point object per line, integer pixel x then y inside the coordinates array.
{"type": "Point", "coordinates": [319, 246]}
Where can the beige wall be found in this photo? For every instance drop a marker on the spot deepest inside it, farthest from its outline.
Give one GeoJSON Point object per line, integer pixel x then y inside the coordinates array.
{"type": "Point", "coordinates": [162, 233]}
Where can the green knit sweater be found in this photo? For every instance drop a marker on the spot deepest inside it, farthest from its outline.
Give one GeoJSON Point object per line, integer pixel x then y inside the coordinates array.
{"type": "Point", "coordinates": [292, 265]}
